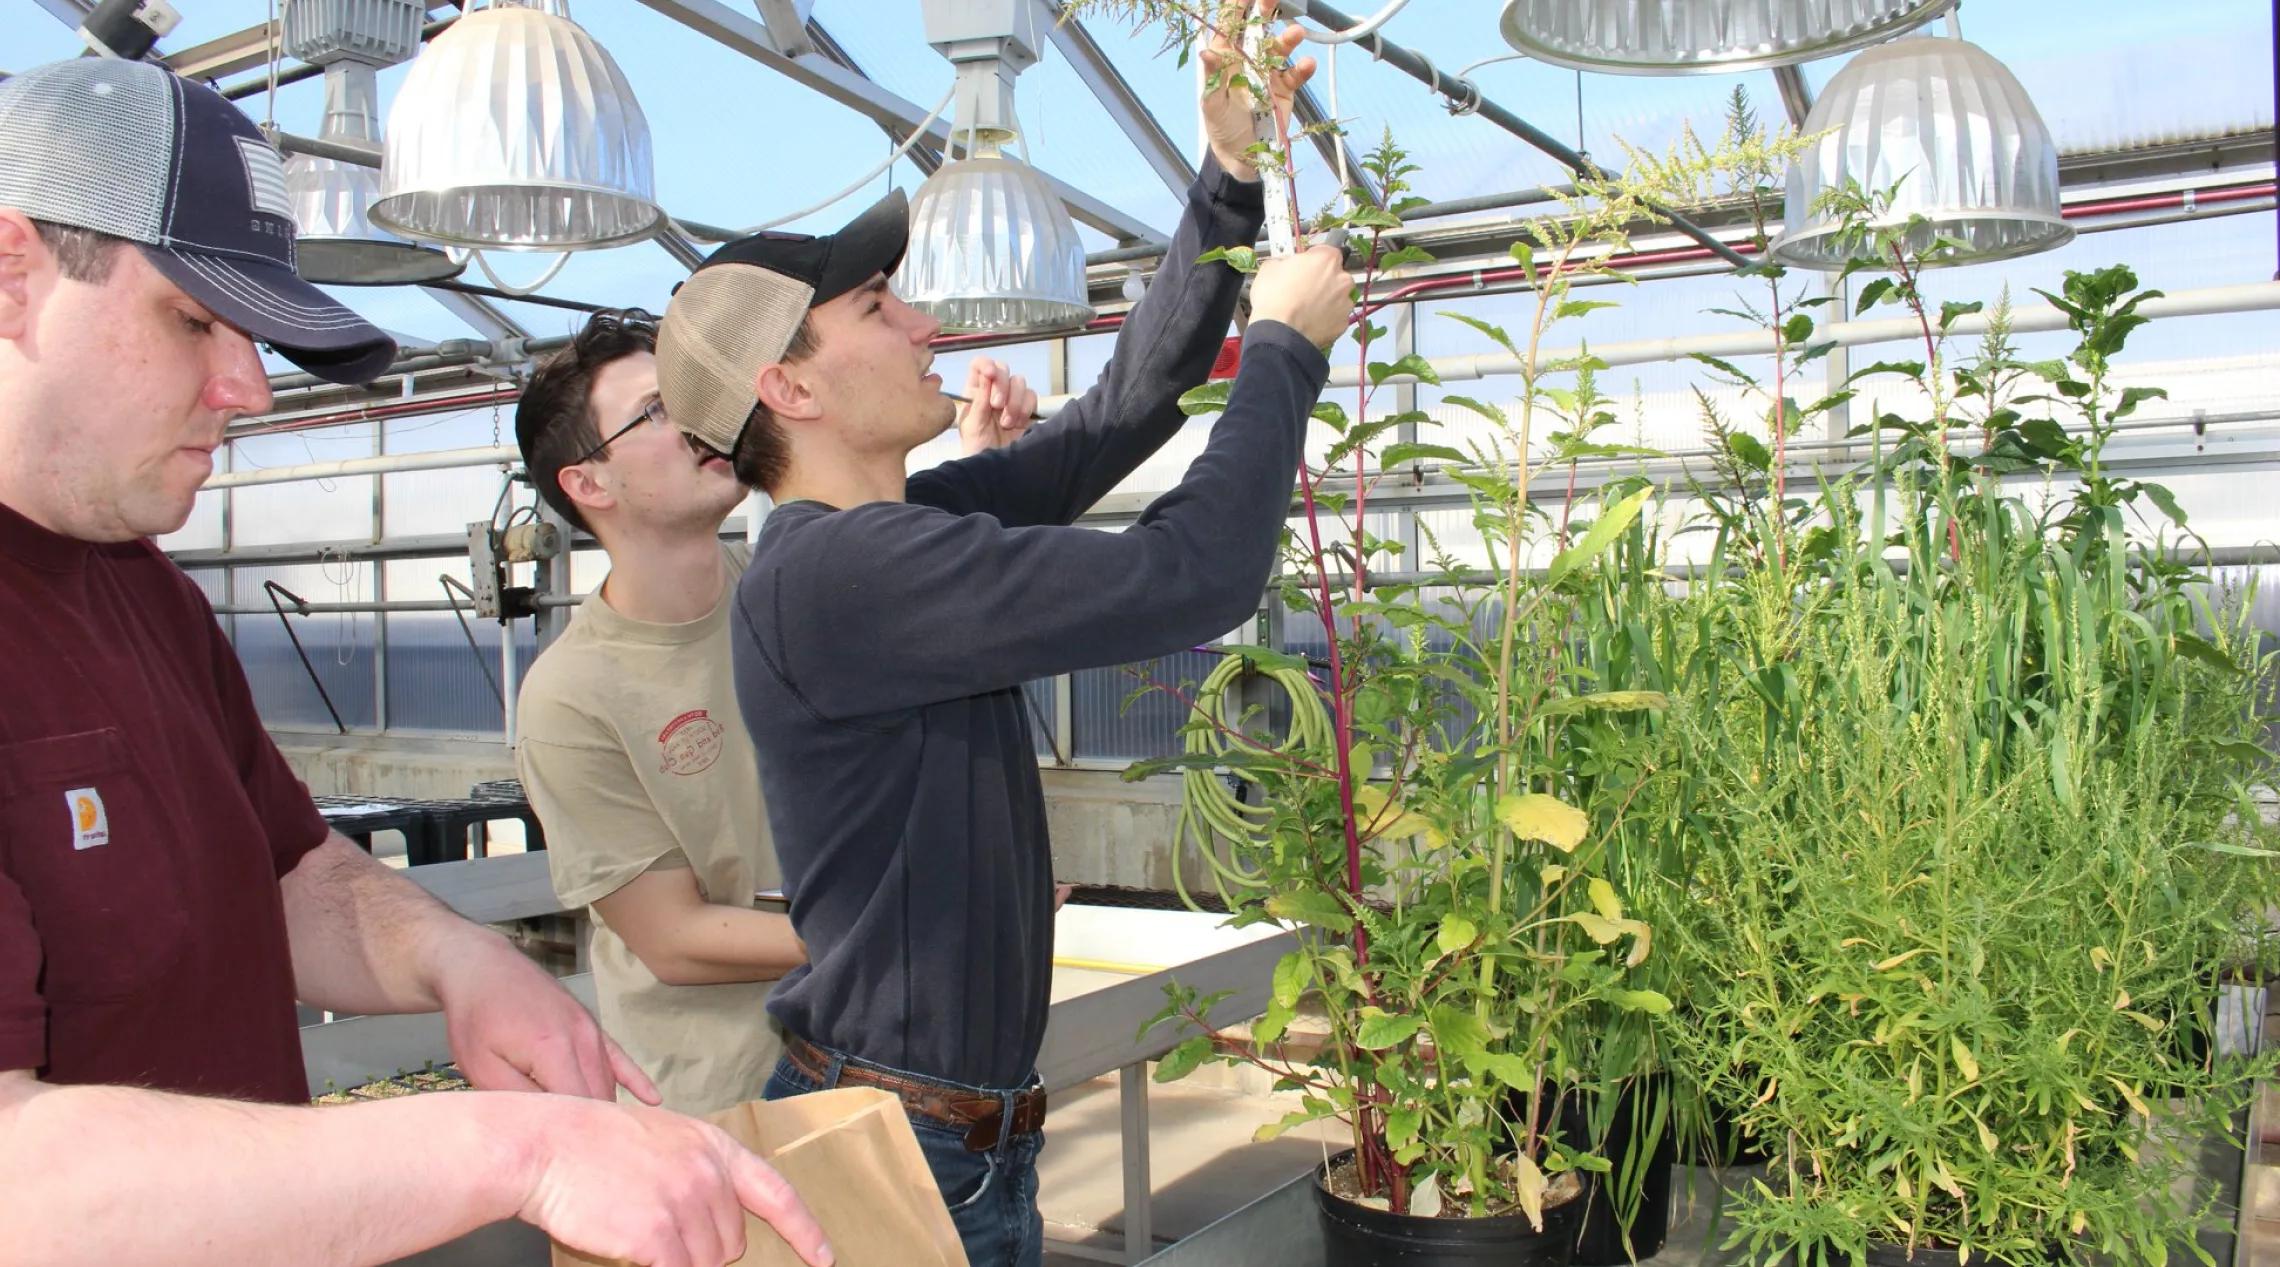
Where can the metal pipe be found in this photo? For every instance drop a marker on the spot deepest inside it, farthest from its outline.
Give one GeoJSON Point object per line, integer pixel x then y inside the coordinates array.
{"type": "Point", "coordinates": [260, 82]}
{"type": "Point", "coordinates": [387, 464]}
{"type": "Point", "coordinates": [1467, 98]}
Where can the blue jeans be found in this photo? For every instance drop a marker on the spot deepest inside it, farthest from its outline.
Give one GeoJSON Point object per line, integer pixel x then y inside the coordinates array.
{"type": "Point", "coordinates": [992, 1196]}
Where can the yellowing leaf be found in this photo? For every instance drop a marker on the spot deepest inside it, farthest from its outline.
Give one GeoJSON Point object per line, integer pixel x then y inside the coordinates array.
{"type": "Point", "coordinates": [1895, 961]}
{"type": "Point", "coordinates": [1642, 938]}
{"type": "Point", "coordinates": [1375, 813]}
{"type": "Point", "coordinates": [1553, 873]}
{"type": "Point", "coordinates": [2079, 1223]}
{"type": "Point", "coordinates": [2099, 959]}
{"type": "Point", "coordinates": [1603, 899]}
{"type": "Point", "coordinates": [1850, 942]}
{"type": "Point", "coordinates": [2121, 1000]}
{"type": "Point", "coordinates": [1528, 1185]}
{"type": "Point", "coordinates": [1457, 932]}
{"type": "Point", "coordinates": [1535, 816]}
{"type": "Point", "coordinates": [1603, 930]}
{"type": "Point", "coordinates": [2142, 1019]}
{"type": "Point", "coordinates": [1965, 1061]}
{"type": "Point", "coordinates": [1987, 1138]}
{"type": "Point", "coordinates": [2130, 1094]}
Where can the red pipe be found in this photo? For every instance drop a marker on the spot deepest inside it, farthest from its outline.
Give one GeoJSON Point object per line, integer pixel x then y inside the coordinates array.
{"type": "Point", "coordinates": [1639, 259]}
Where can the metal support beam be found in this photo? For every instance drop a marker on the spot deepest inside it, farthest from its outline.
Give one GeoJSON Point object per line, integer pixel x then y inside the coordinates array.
{"type": "Point", "coordinates": [1139, 1220]}
{"type": "Point", "coordinates": [818, 73]}
{"type": "Point", "coordinates": [922, 156]}
{"type": "Point", "coordinates": [1311, 114]}
{"type": "Point", "coordinates": [1117, 97]}
{"type": "Point", "coordinates": [683, 251]}
{"type": "Point", "coordinates": [784, 26]}
{"type": "Point", "coordinates": [1467, 98]}
{"type": "Point", "coordinates": [241, 50]}
{"type": "Point", "coordinates": [1796, 96]}
{"type": "Point", "coordinates": [69, 12]}
{"type": "Point", "coordinates": [495, 326]}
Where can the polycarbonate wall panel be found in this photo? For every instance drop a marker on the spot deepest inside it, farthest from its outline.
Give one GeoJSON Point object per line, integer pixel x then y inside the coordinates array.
{"type": "Point", "coordinates": [341, 649]}
{"type": "Point", "coordinates": [436, 681]}
{"type": "Point", "coordinates": [203, 530]}
{"type": "Point", "coordinates": [426, 503]}
{"type": "Point", "coordinates": [1110, 720]}
{"type": "Point", "coordinates": [337, 509]}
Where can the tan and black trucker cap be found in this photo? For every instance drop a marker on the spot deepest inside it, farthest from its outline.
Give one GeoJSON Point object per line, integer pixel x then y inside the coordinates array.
{"type": "Point", "coordinates": [737, 313]}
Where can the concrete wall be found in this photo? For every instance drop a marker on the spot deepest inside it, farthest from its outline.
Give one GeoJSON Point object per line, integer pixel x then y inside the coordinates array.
{"type": "Point", "coordinates": [1105, 831]}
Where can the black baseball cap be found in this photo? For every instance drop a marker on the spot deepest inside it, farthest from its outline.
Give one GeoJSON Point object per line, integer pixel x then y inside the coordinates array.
{"type": "Point", "coordinates": [134, 151]}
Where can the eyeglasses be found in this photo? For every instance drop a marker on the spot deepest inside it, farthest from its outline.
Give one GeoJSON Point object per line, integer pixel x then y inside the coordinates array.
{"type": "Point", "coordinates": [654, 411]}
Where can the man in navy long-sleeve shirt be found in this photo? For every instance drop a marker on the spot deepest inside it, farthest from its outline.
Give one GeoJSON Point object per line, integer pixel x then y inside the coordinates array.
{"type": "Point", "coordinates": [885, 627]}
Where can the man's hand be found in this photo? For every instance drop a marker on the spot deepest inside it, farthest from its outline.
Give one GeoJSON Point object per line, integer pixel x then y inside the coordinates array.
{"type": "Point", "coordinates": [1309, 292]}
{"type": "Point", "coordinates": [514, 1028]}
{"type": "Point", "coordinates": [1227, 112]}
{"type": "Point", "coordinates": [657, 1188]}
{"type": "Point", "coordinates": [998, 410]}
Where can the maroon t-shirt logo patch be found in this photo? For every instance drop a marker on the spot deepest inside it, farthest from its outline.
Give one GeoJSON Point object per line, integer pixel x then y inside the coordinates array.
{"type": "Point", "coordinates": [690, 743]}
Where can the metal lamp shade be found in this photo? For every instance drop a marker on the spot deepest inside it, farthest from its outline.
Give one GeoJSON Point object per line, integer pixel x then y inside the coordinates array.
{"type": "Point", "coordinates": [1952, 128]}
{"type": "Point", "coordinates": [515, 130]}
{"type": "Point", "coordinates": [1680, 37]}
{"type": "Point", "coordinates": [338, 245]}
{"type": "Point", "coordinates": [992, 249]}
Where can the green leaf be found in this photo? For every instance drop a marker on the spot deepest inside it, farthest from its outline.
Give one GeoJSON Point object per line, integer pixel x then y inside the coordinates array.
{"type": "Point", "coordinates": [1457, 932]}
{"type": "Point", "coordinates": [1412, 364]}
{"type": "Point", "coordinates": [1652, 1002]}
{"type": "Point", "coordinates": [2165, 499]}
{"type": "Point", "coordinates": [1611, 524]}
{"type": "Point", "coordinates": [1873, 293]}
{"type": "Point", "coordinates": [1536, 816]}
{"type": "Point", "coordinates": [1271, 1026]}
{"type": "Point", "coordinates": [1209, 398]}
{"type": "Point", "coordinates": [1182, 1060]}
{"type": "Point", "coordinates": [2131, 396]}
{"type": "Point", "coordinates": [1951, 311]}
{"type": "Point", "coordinates": [1504, 1067]}
{"type": "Point", "coordinates": [1242, 259]}
{"type": "Point", "coordinates": [1525, 256]}
{"type": "Point", "coordinates": [2227, 847]}
{"type": "Point", "coordinates": [1290, 978]}
{"type": "Point", "coordinates": [2199, 648]}
{"type": "Point", "coordinates": [1311, 906]}
{"type": "Point", "coordinates": [1401, 1123]}
{"type": "Point", "coordinates": [1406, 255]}
{"type": "Point", "coordinates": [1381, 1029]}
{"type": "Point", "coordinates": [1797, 329]}
{"type": "Point", "coordinates": [1265, 659]}
{"type": "Point", "coordinates": [2062, 766]}
{"type": "Point", "coordinates": [1331, 415]}
{"type": "Point", "coordinates": [1728, 368]}
{"type": "Point", "coordinates": [1578, 307]}
{"type": "Point", "coordinates": [1493, 413]}
{"type": "Point", "coordinates": [1749, 451]}
{"type": "Point", "coordinates": [1412, 451]}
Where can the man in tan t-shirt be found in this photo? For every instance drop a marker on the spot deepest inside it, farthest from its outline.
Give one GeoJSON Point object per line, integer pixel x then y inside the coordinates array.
{"type": "Point", "coordinates": [628, 737]}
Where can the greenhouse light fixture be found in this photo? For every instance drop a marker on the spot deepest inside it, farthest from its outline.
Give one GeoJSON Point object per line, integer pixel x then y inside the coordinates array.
{"type": "Point", "coordinates": [1684, 37]}
{"type": "Point", "coordinates": [991, 247]}
{"type": "Point", "coordinates": [331, 200]}
{"type": "Point", "coordinates": [1950, 131]}
{"type": "Point", "coordinates": [515, 130]}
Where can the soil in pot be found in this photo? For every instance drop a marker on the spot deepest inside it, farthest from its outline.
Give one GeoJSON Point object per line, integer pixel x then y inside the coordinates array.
{"type": "Point", "coordinates": [1357, 1235]}
{"type": "Point", "coordinates": [1887, 1254]}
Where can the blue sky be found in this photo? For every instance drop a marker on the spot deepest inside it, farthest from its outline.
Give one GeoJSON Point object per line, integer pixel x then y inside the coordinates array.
{"type": "Point", "coordinates": [735, 143]}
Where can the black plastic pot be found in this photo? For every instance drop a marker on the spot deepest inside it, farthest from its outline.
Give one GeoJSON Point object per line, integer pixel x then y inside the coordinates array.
{"type": "Point", "coordinates": [1600, 1242]}
{"type": "Point", "coordinates": [1360, 1236]}
{"type": "Point", "coordinates": [1887, 1254]}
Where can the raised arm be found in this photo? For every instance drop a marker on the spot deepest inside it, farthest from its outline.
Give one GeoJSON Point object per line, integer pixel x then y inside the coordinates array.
{"type": "Point", "coordinates": [889, 606]}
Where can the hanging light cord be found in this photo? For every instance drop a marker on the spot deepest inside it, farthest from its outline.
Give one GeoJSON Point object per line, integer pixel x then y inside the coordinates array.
{"type": "Point", "coordinates": [1356, 31]}
{"type": "Point", "coordinates": [1466, 73]}
{"type": "Point", "coordinates": [900, 150]}
{"type": "Point", "coordinates": [483, 262]}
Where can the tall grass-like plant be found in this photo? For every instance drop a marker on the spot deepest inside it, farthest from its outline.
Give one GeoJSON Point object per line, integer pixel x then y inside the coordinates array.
{"type": "Point", "coordinates": [1965, 791]}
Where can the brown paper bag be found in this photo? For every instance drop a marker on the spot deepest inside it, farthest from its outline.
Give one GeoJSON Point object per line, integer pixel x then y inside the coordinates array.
{"type": "Point", "coordinates": [851, 1156]}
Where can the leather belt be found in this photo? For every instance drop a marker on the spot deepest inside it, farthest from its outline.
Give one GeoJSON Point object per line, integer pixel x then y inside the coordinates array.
{"type": "Point", "coordinates": [983, 1116]}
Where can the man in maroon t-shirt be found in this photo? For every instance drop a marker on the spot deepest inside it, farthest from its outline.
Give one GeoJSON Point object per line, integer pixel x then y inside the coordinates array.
{"type": "Point", "coordinates": [166, 888]}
